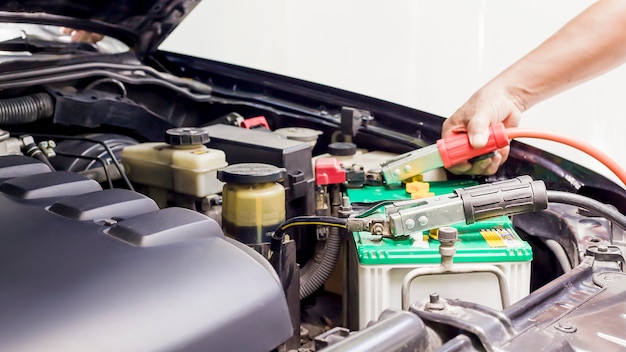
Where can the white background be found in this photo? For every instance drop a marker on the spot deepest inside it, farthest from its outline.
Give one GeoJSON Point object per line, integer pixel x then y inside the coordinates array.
{"type": "Point", "coordinates": [427, 54]}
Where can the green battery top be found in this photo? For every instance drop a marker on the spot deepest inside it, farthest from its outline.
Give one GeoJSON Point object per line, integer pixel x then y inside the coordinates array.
{"type": "Point", "coordinates": [492, 240]}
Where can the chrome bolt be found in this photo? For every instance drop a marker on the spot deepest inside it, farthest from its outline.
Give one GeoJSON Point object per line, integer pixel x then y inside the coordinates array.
{"type": "Point", "coordinates": [434, 297]}
{"type": "Point", "coordinates": [434, 303]}
{"type": "Point", "coordinates": [423, 220]}
{"type": "Point", "coordinates": [378, 229]}
{"type": "Point", "coordinates": [566, 326]}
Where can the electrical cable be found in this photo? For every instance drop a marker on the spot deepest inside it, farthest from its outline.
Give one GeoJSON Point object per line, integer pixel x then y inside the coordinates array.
{"type": "Point", "coordinates": [373, 208]}
{"type": "Point", "coordinates": [582, 146]}
{"type": "Point", "coordinates": [33, 151]}
{"type": "Point", "coordinates": [578, 200]}
{"type": "Point", "coordinates": [95, 141]}
{"type": "Point", "coordinates": [100, 160]}
{"type": "Point", "coordinates": [317, 270]}
{"type": "Point", "coordinates": [305, 223]}
{"type": "Point", "coordinates": [314, 278]}
{"type": "Point", "coordinates": [278, 235]}
{"type": "Point", "coordinates": [116, 82]}
{"type": "Point", "coordinates": [559, 254]}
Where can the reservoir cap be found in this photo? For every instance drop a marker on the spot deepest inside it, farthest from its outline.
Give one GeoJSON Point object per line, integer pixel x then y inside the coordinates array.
{"type": "Point", "coordinates": [186, 136]}
{"type": "Point", "coordinates": [249, 173]}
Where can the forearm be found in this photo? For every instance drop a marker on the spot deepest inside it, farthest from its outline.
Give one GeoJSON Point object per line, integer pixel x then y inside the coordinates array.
{"type": "Point", "coordinates": [590, 44]}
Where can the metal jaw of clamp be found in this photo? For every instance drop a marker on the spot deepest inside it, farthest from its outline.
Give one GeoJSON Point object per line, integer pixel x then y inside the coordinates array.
{"type": "Point", "coordinates": [445, 153]}
{"type": "Point", "coordinates": [412, 217]}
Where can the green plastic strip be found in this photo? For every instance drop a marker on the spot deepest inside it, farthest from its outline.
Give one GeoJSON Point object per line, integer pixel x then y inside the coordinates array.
{"type": "Point", "coordinates": [369, 194]}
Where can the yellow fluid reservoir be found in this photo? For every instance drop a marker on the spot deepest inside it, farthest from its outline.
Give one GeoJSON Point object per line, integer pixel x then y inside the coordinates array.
{"type": "Point", "coordinates": [253, 201]}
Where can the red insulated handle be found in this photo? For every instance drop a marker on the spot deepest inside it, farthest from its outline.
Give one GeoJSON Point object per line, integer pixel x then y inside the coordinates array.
{"type": "Point", "coordinates": [457, 148]}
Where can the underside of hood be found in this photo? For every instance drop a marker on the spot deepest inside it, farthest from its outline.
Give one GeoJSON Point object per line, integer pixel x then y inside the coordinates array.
{"type": "Point", "coordinates": [142, 25]}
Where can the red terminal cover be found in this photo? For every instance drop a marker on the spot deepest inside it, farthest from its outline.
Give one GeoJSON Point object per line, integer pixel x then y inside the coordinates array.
{"type": "Point", "coordinates": [456, 148]}
{"type": "Point", "coordinates": [328, 171]}
{"type": "Point", "coordinates": [255, 122]}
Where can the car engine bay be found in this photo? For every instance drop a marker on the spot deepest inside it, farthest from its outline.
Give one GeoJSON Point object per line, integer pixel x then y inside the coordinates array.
{"type": "Point", "coordinates": [236, 210]}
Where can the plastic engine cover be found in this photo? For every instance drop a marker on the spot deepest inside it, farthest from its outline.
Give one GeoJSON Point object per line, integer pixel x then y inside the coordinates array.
{"type": "Point", "coordinates": [85, 269]}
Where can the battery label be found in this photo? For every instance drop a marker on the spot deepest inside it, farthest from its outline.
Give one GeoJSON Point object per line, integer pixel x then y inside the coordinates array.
{"type": "Point", "coordinates": [500, 238]}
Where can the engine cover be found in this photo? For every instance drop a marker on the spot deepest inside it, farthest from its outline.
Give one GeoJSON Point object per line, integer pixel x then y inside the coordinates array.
{"type": "Point", "coordinates": [86, 269]}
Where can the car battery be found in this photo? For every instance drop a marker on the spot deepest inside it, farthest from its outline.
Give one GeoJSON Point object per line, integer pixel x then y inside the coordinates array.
{"type": "Point", "coordinates": [376, 267]}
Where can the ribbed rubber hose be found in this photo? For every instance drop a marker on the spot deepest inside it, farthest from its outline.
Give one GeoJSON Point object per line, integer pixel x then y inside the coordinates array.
{"type": "Point", "coordinates": [314, 274]}
{"type": "Point", "coordinates": [313, 278]}
{"type": "Point", "coordinates": [26, 109]}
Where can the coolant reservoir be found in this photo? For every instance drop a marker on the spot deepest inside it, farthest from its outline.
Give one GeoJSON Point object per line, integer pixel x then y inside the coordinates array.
{"type": "Point", "coordinates": [183, 164]}
{"type": "Point", "coordinates": [253, 202]}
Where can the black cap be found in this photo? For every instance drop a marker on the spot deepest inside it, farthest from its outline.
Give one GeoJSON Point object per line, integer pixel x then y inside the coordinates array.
{"type": "Point", "coordinates": [248, 173]}
{"type": "Point", "coordinates": [186, 136]}
{"type": "Point", "coordinates": [342, 149]}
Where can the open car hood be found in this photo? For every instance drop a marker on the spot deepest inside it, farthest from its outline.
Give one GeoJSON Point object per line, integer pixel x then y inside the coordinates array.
{"type": "Point", "coordinates": [142, 25]}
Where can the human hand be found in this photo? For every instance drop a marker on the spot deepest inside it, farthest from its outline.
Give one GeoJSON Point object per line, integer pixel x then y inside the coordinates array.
{"type": "Point", "coordinates": [77, 35]}
{"type": "Point", "coordinates": [487, 106]}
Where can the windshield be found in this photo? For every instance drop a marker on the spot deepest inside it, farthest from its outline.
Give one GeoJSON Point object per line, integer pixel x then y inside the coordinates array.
{"type": "Point", "coordinates": [25, 39]}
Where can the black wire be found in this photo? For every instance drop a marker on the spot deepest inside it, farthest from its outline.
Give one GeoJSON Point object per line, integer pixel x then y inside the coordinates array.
{"type": "Point", "coordinates": [590, 204]}
{"type": "Point", "coordinates": [279, 233]}
{"type": "Point", "coordinates": [373, 207]}
{"type": "Point", "coordinates": [116, 82]}
{"type": "Point", "coordinates": [103, 144]}
{"type": "Point", "coordinates": [33, 151]}
{"type": "Point", "coordinates": [104, 165]}
{"type": "Point", "coordinates": [312, 220]}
